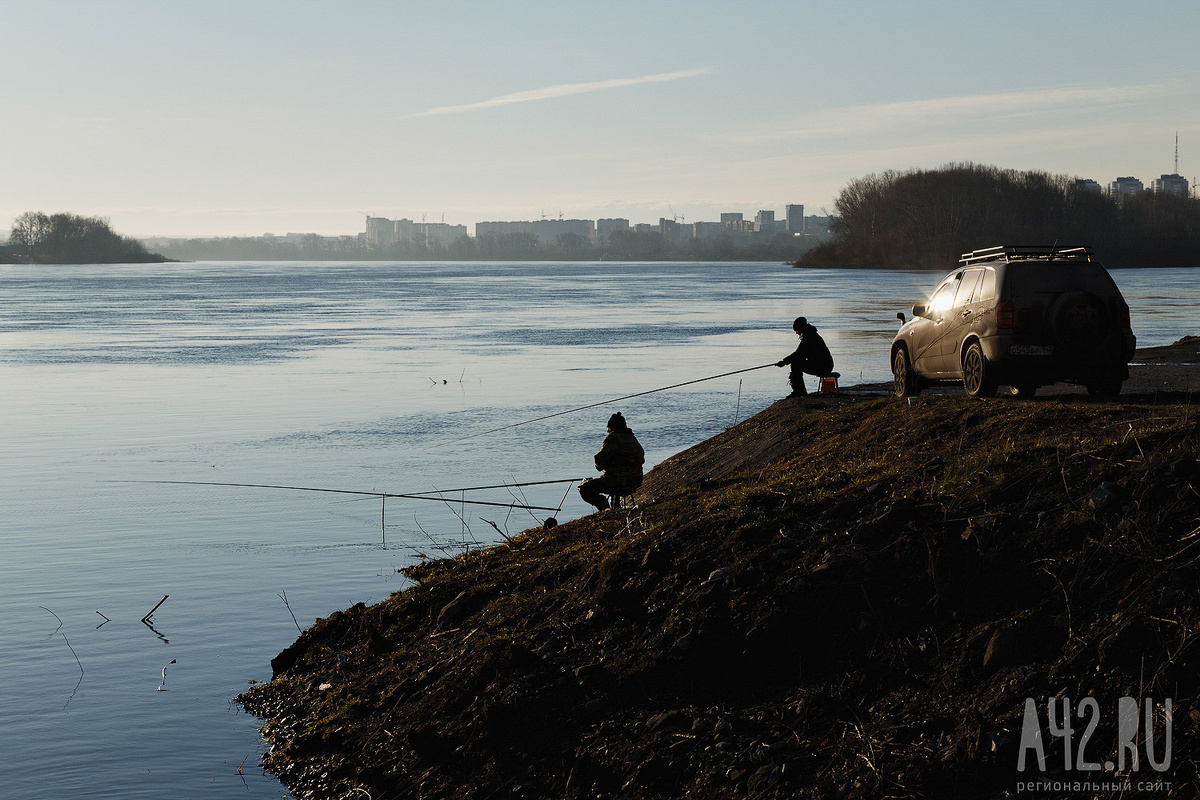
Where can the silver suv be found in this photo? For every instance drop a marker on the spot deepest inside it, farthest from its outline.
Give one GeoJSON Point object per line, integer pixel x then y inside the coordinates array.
{"type": "Point", "coordinates": [1020, 316]}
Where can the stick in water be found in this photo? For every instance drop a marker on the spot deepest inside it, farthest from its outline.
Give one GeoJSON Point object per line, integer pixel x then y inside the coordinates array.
{"type": "Point", "coordinates": [162, 687]}
{"type": "Point", "coordinates": [283, 597]}
{"type": "Point", "coordinates": [156, 605]}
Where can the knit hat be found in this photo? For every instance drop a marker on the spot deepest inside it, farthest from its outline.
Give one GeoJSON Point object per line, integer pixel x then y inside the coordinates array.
{"type": "Point", "coordinates": [800, 322]}
{"type": "Point", "coordinates": [617, 422]}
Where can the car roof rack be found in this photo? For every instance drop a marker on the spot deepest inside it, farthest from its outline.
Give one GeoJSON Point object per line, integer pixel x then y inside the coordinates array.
{"type": "Point", "coordinates": [1027, 252]}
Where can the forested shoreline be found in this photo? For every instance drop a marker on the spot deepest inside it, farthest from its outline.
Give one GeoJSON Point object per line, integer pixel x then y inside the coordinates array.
{"type": "Point", "coordinates": [914, 219]}
{"type": "Point", "coordinates": [71, 239]}
{"type": "Point", "coordinates": [925, 219]}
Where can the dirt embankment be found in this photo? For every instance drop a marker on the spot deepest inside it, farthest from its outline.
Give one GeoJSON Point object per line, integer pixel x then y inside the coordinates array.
{"type": "Point", "coordinates": [832, 599]}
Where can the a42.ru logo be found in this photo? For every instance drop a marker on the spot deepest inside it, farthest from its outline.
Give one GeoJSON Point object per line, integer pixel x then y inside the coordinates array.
{"type": "Point", "coordinates": [1148, 726]}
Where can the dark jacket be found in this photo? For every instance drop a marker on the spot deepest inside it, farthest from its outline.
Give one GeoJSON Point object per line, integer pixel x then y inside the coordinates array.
{"type": "Point", "coordinates": [620, 461]}
{"type": "Point", "coordinates": [811, 355]}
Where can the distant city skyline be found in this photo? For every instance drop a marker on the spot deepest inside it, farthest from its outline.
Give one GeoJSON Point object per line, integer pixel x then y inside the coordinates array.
{"type": "Point", "coordinates": [224, 119]}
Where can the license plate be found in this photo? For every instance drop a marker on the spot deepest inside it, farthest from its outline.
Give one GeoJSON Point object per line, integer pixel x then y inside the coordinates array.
{"type": "Point", "coordinates": [1031, 350]}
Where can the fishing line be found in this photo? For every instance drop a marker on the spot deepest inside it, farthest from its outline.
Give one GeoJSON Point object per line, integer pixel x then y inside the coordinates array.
{"type": "Point", "coordinates": [344, 491]}
{"type": "Point", "coordinates": [614, 400]}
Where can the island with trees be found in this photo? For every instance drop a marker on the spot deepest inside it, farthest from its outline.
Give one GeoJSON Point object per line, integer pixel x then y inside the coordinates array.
{"type": "Point", "coordinates": [71, 239]}
{"type": "Point", "coordinates": [924, 219]}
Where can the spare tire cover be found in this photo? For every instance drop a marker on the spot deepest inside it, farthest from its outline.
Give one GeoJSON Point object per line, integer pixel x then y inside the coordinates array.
{"type": "Point", "coordinates": [1080, 322]}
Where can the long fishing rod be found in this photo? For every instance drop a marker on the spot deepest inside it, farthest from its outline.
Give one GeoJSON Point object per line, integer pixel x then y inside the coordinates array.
{"type": "Point", "coordinates": [350, 491]}
{"type": "Point", "coordinates": [614, 400]}
{"type": "Point", "coordinates": [499, 486]}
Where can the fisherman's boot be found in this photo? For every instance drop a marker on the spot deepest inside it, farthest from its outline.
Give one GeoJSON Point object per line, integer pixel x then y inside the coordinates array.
{"type": "Point", "coordinates": [798, 389]}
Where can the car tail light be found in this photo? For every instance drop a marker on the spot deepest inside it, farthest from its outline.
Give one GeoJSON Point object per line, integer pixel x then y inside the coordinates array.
{"type": "Point", "coordinates": [1123, 313]}
{"type": "Point", "coordinates": [1005, 313]}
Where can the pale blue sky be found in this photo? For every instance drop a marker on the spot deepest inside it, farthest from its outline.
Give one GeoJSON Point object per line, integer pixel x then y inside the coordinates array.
{"type": "Point", "coordinates": [224, 118]}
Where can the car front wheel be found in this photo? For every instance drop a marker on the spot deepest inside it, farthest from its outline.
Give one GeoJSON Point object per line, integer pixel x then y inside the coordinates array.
{"type": "Point", "coordinates": [977, 373]}
{"type": "Point", "coordinates": [905, 380]}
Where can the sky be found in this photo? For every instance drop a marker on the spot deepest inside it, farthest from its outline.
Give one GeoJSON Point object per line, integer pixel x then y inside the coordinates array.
{"type": "Point", "coordinates": [220, 118]}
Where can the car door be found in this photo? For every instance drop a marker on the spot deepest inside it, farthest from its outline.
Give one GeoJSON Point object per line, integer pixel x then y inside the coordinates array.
{"type": "Point", "coordinates": [927, 335]}
{"type": "Point", "coordinates": [957, 320]}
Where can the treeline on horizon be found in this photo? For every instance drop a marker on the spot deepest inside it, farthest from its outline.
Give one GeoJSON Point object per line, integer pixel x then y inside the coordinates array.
{"type": "Point", "coordinates": [71, 239]}
{"type": "Point", "coordinates": [620, 246]}
{"type": "Point", "coordinates": [926, 219]}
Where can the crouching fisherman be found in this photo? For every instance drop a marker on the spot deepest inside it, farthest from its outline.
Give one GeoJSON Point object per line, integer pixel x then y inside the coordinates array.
{"type": "Point", "coordinates": [811, 355]}
{"type": "Point", "coordinates": [620, 463]}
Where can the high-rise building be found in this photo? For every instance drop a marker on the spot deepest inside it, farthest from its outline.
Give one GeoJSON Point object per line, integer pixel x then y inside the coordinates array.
{"type": "Point", "coordinates": [381, 232]}
{"type": "Point", "coordinates": [816, 225]}
{"type": "Point", "coordinates": [1124, 187]}
{"type": "Point", "coordinates": [707, 230]}
{"type": "Point", "coordinates": [733, 216]}
{"type": "Point", "coordinates": [674, 231]}
{"type": "Point", "coordinates": [607, 227]}
{"type": "Point", "coordinates": [546, 230]}
{"type": "Point", "coordinates": [794, 215]}
{"type": "Point", "coordinates": [437, 233]}
{"type": "Point", "coordinates": [1171, 184]}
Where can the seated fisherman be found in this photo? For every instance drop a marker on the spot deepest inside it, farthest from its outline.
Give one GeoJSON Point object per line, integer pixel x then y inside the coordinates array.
{"type": "Point", "coordinates": [620, 463]}
{"type": "Point", "coordinates": [811, 356]}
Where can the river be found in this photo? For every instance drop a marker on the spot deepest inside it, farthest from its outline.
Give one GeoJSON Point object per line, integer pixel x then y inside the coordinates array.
{"type": "Point", "coordinates": [370, 377]}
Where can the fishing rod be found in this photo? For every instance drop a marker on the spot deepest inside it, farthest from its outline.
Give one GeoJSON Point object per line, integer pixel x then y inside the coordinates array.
{"type": "Point", "coordinates": [614, 400]}
{"type": "Point", "coordinates": [352, 491]}
{"type": "Point", "coordinates": [498, 486]}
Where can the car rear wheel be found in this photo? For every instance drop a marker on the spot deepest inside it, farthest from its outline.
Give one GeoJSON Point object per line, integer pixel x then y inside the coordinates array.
{"type": "Point", "coordinates": [1104, 387]}
{"type": "Point", "coordinates": [977, 373]}
{"type": "Point", "coordinates": [905, 383]}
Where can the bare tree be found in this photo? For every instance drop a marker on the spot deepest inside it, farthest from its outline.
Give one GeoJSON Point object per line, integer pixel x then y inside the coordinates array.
{"type": "Point", "coordinates": [29, 231]}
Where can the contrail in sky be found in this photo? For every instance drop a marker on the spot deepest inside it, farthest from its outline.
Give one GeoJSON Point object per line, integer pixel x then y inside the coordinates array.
{"type": "Point", "coordinates": [561, 90]}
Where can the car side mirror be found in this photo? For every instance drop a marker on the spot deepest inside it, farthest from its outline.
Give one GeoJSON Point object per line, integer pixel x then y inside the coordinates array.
{"type": "Point", "coordinates": [900, 317]}
{"type": "Point", "coordinates": [919, 310]}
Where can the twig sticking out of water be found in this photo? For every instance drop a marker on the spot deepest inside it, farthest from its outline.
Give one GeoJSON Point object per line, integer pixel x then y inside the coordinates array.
{"type": "Point", "coordinates": [162, 687]}
{"type": "Point", "coordinates": [147, 619]}
{"type": "Point", "coordinates": [102, 624]}
{"type": "Point", "coordinates": [72, 649]}
{"type": "Point", "coordinates": [57, 617]}
{"type": "Point", "coordinates": [283, 597]}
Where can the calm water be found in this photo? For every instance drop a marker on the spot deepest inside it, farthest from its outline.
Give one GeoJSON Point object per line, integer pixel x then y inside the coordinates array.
{"type": "Point", "coordinates": [343, 376]}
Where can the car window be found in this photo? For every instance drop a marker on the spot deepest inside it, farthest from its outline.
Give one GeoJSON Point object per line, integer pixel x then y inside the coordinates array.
{"type": "Point", "coordinates": [1032, 277]}
{"type": "Point", "coordinates": [966, 286]}
{"type": "Point", "coordinates": [943, 298]}
{"type": "Point", "coordinates": [987, 287]}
